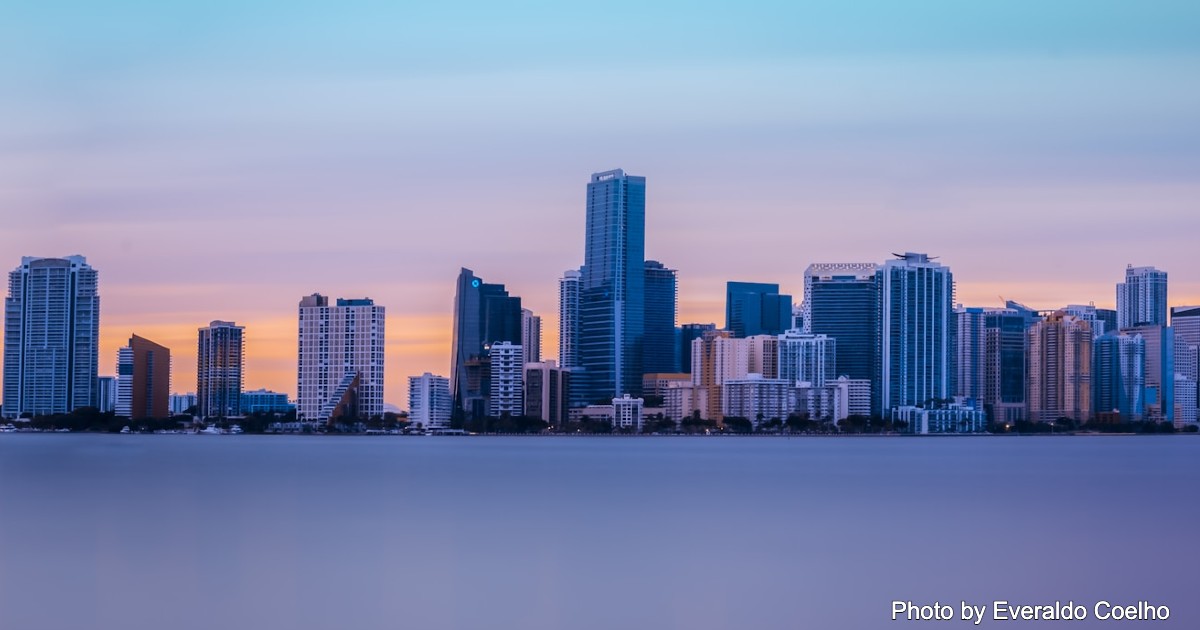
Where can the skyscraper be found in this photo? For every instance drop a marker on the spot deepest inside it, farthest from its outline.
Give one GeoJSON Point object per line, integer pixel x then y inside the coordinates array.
{"type": "Point", "coordinates": [659, 351]}
{"type": "Point", "coordinates": [687, 333]}
{"type": "Point", "coordinates": [841, 301]}
{"type": "Point", "coordinates": [143, 380]}
{"type": "Point", "coordinates": [219, 357]}
{"type": "Point", "coordinates": [1142, 298]}
{"type": "Point", "coordinates": [1185, 320]}
{"type": "Point", "coordinates": [1005, 350]}
{"type": "Point", "coordinates": [531, 336]}
{"type": "Point", "coordinates": [970, 350]}
{"type": "Point", "coordinates": [807, 358]}
{"type": "Point", "coordinates": [568, 320]}
{"type": "Point", "coordinates": [916, 332]}
{"type": "Point", "coordinates": [341, 358]}
{"type": "Point", "coordinates": [484, 314]}
{"type": "Point", "coordinates": [612, 288]}
{"type": "Point", "coordinates": [507, 383]}
{"type": "Point", "coordinates": [547, 392]}
{"type": "Point", "coordinates": [1119, 376]}
{"type": "Point", "coordinates": [1160, 370]}
{"type": "Point", "coordinates": [429, 402]}
{"type": "Point", "coordinates": [756, 308]}
{"type": "Point", "coordinates": [1097, 318]}
{"type": "Point", "coordinates": [1060, 369]}
{"type": "Point", "coordinates": [51, 336]}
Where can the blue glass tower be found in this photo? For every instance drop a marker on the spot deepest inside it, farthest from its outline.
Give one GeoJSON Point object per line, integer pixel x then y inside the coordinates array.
{"type": "Point", "coordinates": [756, 308]}
{"type": "Point", "coordinates": [484, 314]}
{"type": "Point", "coordinates": [612, 288]}
{"type": "Point", "coordinates": [841, 300]}
{"type": "Point", "coordinates": [660, 352]}
{"type": "Point", "coordinates": [917, 332]}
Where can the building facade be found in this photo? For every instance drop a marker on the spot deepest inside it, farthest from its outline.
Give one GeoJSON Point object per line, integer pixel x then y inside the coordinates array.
{"type": "Point", "coordinates": [1119, 375]}
{"type": "Point", "coordinates": [1005, 350]}
{"type": "Point", "coordinates": [547, 392]}
{"type": "Point", "coordinates": [758, 399]}
{"type": "Point", "coordinates": [970, 352]}
{"type": "Point", "coordinates": [687, 333]}
{"type": "Point", "coordinates": [531, 336]}
{"type": "Point", "coordinates": [807, 358]}
{"type": "Point", "coordinates": [660, 353]}
{"type": "Point", "coordinates": [841, 301]}
{"type": "Point", "coordinates": [143, 380]}
{"type": "Point", "coordinates": [507, 390]}
{"type": "Point", "coordinates": [219, 370]}
{"type": "Point", "coordinates": [1142, 298]}
{"type": "Point", "coordinates": [484, 314]}
{"type": "Point", "coordinates": [265, 401]}
{"type": "Point", "coordinates": [568, 320]}
{"type": "Point", "coordinates": [627, 413]}
{"type": "Point", "coordinates": [429, 402]}
{"type": "Point", "coordinates": [756, 308]}
{"type": "Point", "coordinates": [916, 332]}
{"type": "Point", "coordinates": [951, 418]}
{"type": "Point", "coordinates": [1060, 369]}
{"type": "Point", "coordinates": [341, 359]}
{"type": "Point", "coordinates": [612, 288]}
{"type": "Point", "coordinates": [1160, 371]}
{"type": "Point", "coordinates": [51, 337]}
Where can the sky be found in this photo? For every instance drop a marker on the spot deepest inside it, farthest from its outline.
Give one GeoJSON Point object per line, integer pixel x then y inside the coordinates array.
{"type": "Point", "coordinates": [219, 160]}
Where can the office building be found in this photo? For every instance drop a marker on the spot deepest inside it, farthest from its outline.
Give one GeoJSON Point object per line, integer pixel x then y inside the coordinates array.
{"type": "Point", "coordinates": [916, 331]}
{"type": "Point", "coordinates": [429, 402]}
{"type": "Point", "coordinates": [948, 418]}
{"type": "Point", "coordinates": [484, 314]}
{"type": "Point", "coordinates": [1005, 350]}
{"type": "Point", "coordinates": [970, 352]}
{"type": "Point", "coordinates": [1142, 298]}
{"type": "Point", "coordinates": [506, 385]}
{"type": "Point", "coordinates": [612, 288]}
{"type": "Point", "coordinates": [219, 370]}
{"type": "Point", "coordinates": [758, 399]}
{"type": "Point", "coordinates": [1060, 369]}
{"type": "Point", "coordinates": [841, 301]}
{"type": "Point", "coordinates": [756, 308]}
{"type": "Point", "coordinates": [688, 333]}
{"type": "Point", "coordinates": [1160, 371]}
{"type": "Point", "coordinates": [143, 380]}
{"type": "Point", "coordinates": [531, 336]}
{"type": "Point", "coordinates": [265, 401]}
{"type": "Point", "coordinates": [547, 392]}
{"type": "Point", "coordinates": [1119, 376]}
{"type": "Point", "coordinates": [660, 353]}
{"type": "Point", "coordinates": [341, 359]}
{"type": "Point", "coordinates": [51, 337]}
{"type": "Point", "coordinates": [568, 320]}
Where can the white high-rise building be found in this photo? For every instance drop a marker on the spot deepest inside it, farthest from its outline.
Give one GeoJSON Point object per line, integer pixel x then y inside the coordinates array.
{"type": "Point", "coordinates": [507, 395]}
{"type": "Point", "coordinates": [758, 399]}
{"type": "Point", "coordinates": [1142, 298]}
{"type": "Point", "coordinates": [916, 331]}
{"type": "Point", "coordinates": [341, 352]}
{"type": "Point", "coordinates": [627, 413]}
{"type": "Point", "coordinates": [531, 336]}
{"type": "Point", "coordinates": [429, 401]}
{"type": "Point", "coordinates": [108, 394]}
{"type": "Point", "coordinates": [568, 320]}
{"type": "Point", "coordinates": [51, 337]}
{"type": "Point", "coordinates": [807, 358]}
{"type": "Point", "coordinates": [970, 351]}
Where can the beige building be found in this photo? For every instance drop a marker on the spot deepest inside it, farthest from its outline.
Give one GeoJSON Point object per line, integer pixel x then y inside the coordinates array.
{"type": "Point", "coordinates": [1060, 369]}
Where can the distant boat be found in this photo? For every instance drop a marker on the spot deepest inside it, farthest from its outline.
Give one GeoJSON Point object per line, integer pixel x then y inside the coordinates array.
{"type": "Point", "coordinates": [211, 430]}
{"type": "Point", "coordinates": [8, 428]}
{"type": "Point", "coordinates": [125, 430]}
{"type": "Point", "coordinates": [236, 429]}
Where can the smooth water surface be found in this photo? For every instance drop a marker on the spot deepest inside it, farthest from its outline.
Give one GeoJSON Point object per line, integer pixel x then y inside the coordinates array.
{"type": "Point", "coordinates": [196, 532]}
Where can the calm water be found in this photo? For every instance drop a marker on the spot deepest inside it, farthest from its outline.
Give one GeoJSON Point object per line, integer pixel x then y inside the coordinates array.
{"type": "Point", "coordinates": [181, 532]}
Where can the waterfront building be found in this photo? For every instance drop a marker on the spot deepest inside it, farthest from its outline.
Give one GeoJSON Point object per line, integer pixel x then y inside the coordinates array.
{"type": "Point", "coordinates": [683, 400]}
{"type": "Point", "coordinates": [484, 315]}
{"type": "Point", "coordinates": [841, 301]}
{"type": "Point", "coordinates": [547, 392]}
{"type": "Point", "coordinates": [1060, 369]}
{"type": "Point", "coordinates": [107, 391]}
{"type": "Point", "coordinates": [627, 413]}
{"type": "Point", "coordinates": [1142, 298]}
{"type": "Point", "coordinates": [180, 403]}
{"type": "Point", "coordinates": [970, 352]}
{"type": "Point", "coordinates": [429, 402]}
{"type": "Point", "coordinates": [717, 357]}
{"type": "Point", "coordinates": [657, 384]}
{"type": "Point", "coordinates": [51, 337]}
{"type": "Point", "coordinates": [265, 401]}
{"type": "Point", "coordinates": [1185, 321]}
{"type": "Point", "coordinates": [568, 320]}
{"type": "Point", "coordinates": [1005, 350]}
{"type": "Point", "coordinates": [612, 288]}
{"type": "Point", "coordinates": [1160, 371]}
{"type": "Point", "coordinates": [660, 353]}
{"type": "Point", "coordinates": [916, 331]}
{"type": "Point", "coordinates": [506, 386]}
{"type": "Point", "coordinates": [1185, 401]}
{"type": "Point", "coordinates": [341, 359]}
{"type": "Point", "coordinates": [531, 336]}
{"type": "Point", "coordinates": [756, 308]}
{"type": "Point", "coordinates": [805, 357]}
{"type": "Point", "coordinates": [950, 418]}
{"type": "Point", "coordinates": [758, 399]}
{"type": "Point", "coordinates": [219, 370]}
{"type": "Point", "coordinates": [1099, 319]}
{"type": "Point", "coordinates": [143, 380]}
{"type": "Point", "coordinates": [1119, 375]}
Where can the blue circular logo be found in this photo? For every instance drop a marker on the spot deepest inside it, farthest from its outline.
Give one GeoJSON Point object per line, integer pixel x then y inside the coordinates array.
{"type": "Point", "coordinates": [475, 283]}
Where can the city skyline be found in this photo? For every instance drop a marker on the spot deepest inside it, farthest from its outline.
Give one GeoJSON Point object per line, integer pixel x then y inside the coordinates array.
{"type": "Point", "coordinates": [201, 164]}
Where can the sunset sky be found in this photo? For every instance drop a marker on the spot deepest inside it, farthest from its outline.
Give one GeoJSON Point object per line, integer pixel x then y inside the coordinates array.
{"type": "Point", "coordinates": [221, 160]}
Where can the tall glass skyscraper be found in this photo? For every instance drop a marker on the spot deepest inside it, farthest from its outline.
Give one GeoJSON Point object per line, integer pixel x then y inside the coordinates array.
{"type": "Point", "coordinates": [841, 301]}
{"type": "Point", "coordinates": [220, 355]}
{"type": "Point", "coordinates": [51, 337]}
{"type": "Point", "coordinates": [916, 332]}
{"type": "Point", "coordinates": [484, 314]}
{"type": "Point", "coordinates": [685, 335]}
{"type": "Point", "coordinates": [1142, 298]}
{"type": "Point", "coordinates": [1119, 375]}
{"type": "Point", "coordinates": [1005, 344]}
{"type": "Point", "coordinates": [756, 308]}
{"type": "Point", "coordinates": [568, 320]}
{"type": "Point", "coordinates": [612, 288]}
{"type": "Point", "coordinates": [659, 350]}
